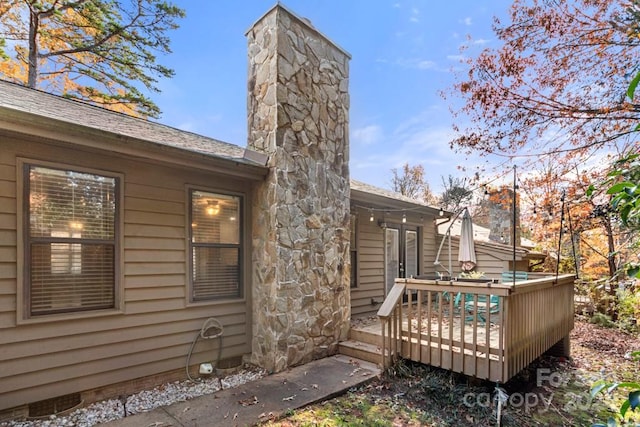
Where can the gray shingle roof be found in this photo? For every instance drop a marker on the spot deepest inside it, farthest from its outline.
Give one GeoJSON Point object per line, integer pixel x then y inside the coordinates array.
{"type": "Point", "coordinates": [388, 194]}
{"type": "Point", "coordinates": [19, 98]}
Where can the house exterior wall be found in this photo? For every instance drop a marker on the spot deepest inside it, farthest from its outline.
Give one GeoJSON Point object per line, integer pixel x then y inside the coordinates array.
{"type": "Point", "coordinates": [370, 267]}
{"type": "Point", "coordinates": [488, 260]}
{"type": "Point", "coordinates": [298, 108]}
{"type": "Point", "coordinates": [153, 327]}
{"type": "Point", "coordinates": [371, 258]}
{"type": "Point", "coordinates": [430, 245]}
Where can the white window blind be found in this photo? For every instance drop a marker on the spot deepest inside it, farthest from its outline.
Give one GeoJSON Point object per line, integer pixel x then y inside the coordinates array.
{"type": "Point", "coordinates": [215, 246]}
{"type": "Point", "coordinates": [71, 247]}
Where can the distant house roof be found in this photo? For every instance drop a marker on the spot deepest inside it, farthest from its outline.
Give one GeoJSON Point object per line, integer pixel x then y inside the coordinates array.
{"type": "Point", "coordinates": [481, 239]}
{"type": "Point", "coordinates": [378, 197]}
{"type": "Point", "coordinates": [17, 99]}
{"type": "Point", "coordinates": [480, 233]}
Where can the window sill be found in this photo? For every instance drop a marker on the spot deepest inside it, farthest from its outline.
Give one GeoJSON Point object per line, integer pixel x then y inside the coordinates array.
{"type": "Point", "coordinates": [232, 300]}
{"type": "Point", "coordinates": [79, 315]}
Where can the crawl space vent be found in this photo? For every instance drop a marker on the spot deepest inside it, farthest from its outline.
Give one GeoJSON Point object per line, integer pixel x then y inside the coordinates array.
{"type": "Point", "coordinates": [54, 405]}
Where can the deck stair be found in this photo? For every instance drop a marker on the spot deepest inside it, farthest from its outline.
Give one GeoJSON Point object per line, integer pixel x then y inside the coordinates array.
{"type": "Point", "coordinates": [365, 342]}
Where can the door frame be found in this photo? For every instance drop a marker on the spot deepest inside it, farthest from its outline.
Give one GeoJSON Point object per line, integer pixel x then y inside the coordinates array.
{"type": "Point", "coordinates": [401, 251]}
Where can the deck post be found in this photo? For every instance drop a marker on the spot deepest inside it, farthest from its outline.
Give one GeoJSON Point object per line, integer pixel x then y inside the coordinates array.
{"type": "Point", "coordinates": [561, 349]}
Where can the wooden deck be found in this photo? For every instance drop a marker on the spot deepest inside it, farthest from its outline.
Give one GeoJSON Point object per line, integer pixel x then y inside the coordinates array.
{"type": "Point", "coordinates": [485, 330]}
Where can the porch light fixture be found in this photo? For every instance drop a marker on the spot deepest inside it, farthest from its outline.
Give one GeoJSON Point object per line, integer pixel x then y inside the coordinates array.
{"type": "Point", "coordinates": [404, 217]}
{"type": "Point", "coordinates": [441, 212]}
{"type": "Point", "coordinates": [371, 217]}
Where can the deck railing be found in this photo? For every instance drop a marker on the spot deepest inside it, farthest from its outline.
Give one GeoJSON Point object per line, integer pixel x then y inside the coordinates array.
{"type": "Point", "coordinates": [487, 330]}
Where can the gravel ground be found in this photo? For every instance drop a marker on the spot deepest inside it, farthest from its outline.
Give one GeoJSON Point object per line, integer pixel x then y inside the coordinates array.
{"type": "Point", "coordinates": [146, 400]}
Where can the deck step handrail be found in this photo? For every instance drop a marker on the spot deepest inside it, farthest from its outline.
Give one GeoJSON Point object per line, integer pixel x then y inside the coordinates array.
{"type": "Point", "coordinates": [390, 314]}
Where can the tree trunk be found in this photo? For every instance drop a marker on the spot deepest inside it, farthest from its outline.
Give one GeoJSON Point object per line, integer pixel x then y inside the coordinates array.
{"type": "Point", "coordinates": [34, 21]}
{"type": "Point", "coordinates": [611, 258]}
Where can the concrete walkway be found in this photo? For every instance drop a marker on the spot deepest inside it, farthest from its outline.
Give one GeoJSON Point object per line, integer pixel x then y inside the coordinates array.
{"type": "Point", "coordinates": [261, 400]}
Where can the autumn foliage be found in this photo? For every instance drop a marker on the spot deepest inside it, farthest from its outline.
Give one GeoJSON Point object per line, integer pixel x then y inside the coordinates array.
{"type": "Point", "coordinates": [557, 81]}
{"type": "Point", "coordinates": [552, 96]}
{"type": "Point", "coordinates": [100, 51]}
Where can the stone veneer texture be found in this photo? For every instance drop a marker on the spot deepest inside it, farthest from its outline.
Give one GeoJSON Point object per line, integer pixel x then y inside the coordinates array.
{"type": "Point", "coordinates": [298, 106]}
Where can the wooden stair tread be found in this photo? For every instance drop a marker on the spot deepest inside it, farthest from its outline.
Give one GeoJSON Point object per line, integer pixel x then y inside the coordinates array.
{"type": "Point", "coordinates": [372, 348]}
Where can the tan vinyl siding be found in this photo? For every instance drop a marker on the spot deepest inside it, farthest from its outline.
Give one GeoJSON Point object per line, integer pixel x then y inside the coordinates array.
{"type": "Point", "coordinates": [371, 259]}
{"type": "Point", "coordinates": [154, 327]}
{"type": "Point", "coordinates": [490, 265]}
{"type": "Point", "coordinates": [429, 246]}
{"type": "Point", "coordinates": [487, 262]}
{"type": "Point", "coordinates": [8, 255]}
{"type": "Point", "coordinates": [371, 266]}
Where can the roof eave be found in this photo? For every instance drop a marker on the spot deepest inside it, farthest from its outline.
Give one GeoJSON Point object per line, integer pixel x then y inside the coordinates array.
{"type": "Point", "coordinates": [377, 201]}
{"type": "Point", "coordinates": [45, 128]}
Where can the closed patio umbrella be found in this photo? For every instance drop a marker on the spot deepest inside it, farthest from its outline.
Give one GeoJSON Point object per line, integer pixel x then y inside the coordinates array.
{"type": "Point", "coordinates": [467, 250]}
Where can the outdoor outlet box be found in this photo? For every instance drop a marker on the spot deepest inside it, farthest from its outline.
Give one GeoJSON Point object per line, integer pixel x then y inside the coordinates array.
{"type": "Point", "coordinates": [206, 369]}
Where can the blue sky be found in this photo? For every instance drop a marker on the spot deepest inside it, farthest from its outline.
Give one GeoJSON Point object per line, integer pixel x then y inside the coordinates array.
{"type": "Point", "coordinates": [403, 53]}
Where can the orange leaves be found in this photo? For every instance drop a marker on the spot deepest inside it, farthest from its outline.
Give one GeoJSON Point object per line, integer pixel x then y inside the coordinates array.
{"type": "Point", "coordinates": [411, 182]}
{"type": "Point", "coordinates": [101, 51]}
{"type": "Point", "coordinates": [556, 80]}
{"type": "Point", "coordinates": [14, 70]}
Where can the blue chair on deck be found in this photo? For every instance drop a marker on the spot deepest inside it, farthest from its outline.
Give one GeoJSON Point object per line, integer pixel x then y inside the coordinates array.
{"type": "Point", "coordinates": [478, 308]}
{"type": "Point", "coordinates": [507, 276]}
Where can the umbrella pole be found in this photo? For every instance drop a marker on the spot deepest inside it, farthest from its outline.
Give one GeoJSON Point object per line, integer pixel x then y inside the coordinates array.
{"type": "Point", "coordinates": [514, 219]}
{"type": "Point", "coordinates": [450, 266]}
{"type": "Point", "coordinates": [444, 238]}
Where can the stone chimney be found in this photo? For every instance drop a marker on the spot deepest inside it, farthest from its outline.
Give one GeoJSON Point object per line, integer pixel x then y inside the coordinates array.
{"type": "Point", "coordinates": [298, 109]}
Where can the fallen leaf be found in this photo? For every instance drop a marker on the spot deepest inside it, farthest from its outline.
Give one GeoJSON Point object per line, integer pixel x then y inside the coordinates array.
{"type": "Point", "coordinates": [250, 401]}
{"type": "Point", "coordinates": [265, 415]}
{"type": "Point", "coordinates": [287, 399]}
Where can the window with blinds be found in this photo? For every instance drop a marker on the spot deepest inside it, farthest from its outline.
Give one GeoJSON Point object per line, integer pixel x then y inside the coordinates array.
{"type": "Point", "coordinates": [354, 251]}
{"type": "Point", "coordinates": [70, 245]}
{"type": "Point", "coordinates": [215, 246]}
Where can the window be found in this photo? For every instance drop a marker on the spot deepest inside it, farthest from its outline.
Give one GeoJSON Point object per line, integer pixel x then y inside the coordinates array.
{"type": "Point", "coordinates": [215, 246]}
{"type": "Point", "coordinates": [71, 243]}
{"type": "Point", "coordinates": [391, 257]}
{"type": "Point", "coordinates": [354, 251]}
{"type": "Point", "coordinates": [411, 253]}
